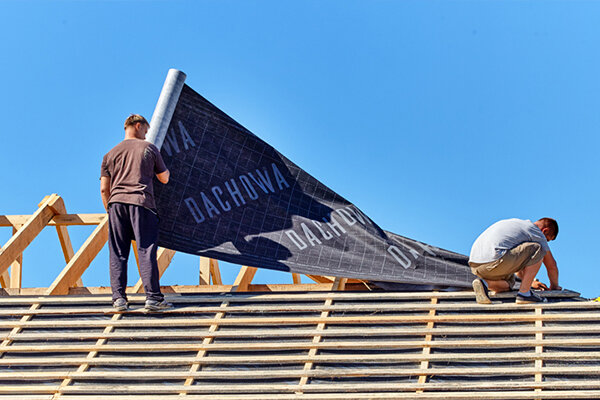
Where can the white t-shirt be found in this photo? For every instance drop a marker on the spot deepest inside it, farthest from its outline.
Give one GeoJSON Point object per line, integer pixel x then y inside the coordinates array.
{"type": "Point", "coordinates": [505, 235]}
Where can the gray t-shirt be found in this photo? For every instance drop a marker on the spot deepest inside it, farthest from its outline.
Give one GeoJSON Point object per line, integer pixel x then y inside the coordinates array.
{"type": "Point", "coordinates": [505, 235]}
{"type": "Point", "coordinates": [131, 166]}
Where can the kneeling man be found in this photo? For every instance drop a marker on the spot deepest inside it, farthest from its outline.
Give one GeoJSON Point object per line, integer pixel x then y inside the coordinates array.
{"type": "Point", "coordinates": [514, 247]}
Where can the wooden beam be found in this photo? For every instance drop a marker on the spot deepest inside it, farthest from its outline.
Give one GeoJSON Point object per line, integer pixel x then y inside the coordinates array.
{"type": "Point", "coordinates": [337, 283]}
{"type": "Point", "coordinates": [296, 279]}
{"type": "Point", "coordinates": [214, 327]}
{"type": "Point", "coordinates": [67, 219]}
{"type": "Point", "coordinates": [65, 239]}
{"type": "Point", "coordinates": [17, 329]}
{"type": "Point", "coordinates": [80, 261]}
{"type": "Point", "coordinates": [163, 257]}
{"type": "Point", "coordinates": [204, 271]}
{"type": "Point", "coordinates": [321, 279]}
{"type": "Point", "coordinates": [413, 297]}
{"type": "Point", "coordinates": [274, 332]}
{"type": "Point", "coordinates": [205, 342]}
{"type": "Point", "coordinates": [332, 391]}
{"type": "Point", "coordinates": [187, 304]}
{"type": "Point", "coordinates": [337, 391]}
{"type": "Point", "coordinates": [215, 272]}
{"type": "Point", "coordinates": [30, 229]}
{"type": "Point", "coordinates": [136, 255]}
{"type": "Point", "coordinates": [244, 278]}
{"type": "Point", "coordinates": [427, 349]}
{"type": "Point", "coordinates": [349, 320]}
{"type": "Point", "coordinates": [315, 288]}
{"type": "Point", "coordinates": [539, 363]}
{"type": "Point", "coordinates": [261, 374]}
{"type": "Point", "coordinates": [5, 279]}
{"type": "Point", "coordinates": [16, 267]}
{"type": "Point", "coordinates": [302, 358]}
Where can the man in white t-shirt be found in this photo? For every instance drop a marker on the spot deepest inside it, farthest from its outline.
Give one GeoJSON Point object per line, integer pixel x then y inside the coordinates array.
{"type": "Point", "coordinates": [514, 247]}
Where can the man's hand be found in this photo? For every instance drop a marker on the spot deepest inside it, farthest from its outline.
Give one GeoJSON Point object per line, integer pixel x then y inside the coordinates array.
{"type": "Point", "coordinates": [539, 285]}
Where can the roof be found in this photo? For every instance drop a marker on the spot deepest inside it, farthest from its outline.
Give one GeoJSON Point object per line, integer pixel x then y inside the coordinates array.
{"type": "Point", "coordinates": [308, 345]}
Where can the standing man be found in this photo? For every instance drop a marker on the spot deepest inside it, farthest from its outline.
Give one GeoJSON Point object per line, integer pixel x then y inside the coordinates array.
{"type": "Point", "coordinates": [127, 174]}
{"type": "Point", "coordinates": [514, 247]}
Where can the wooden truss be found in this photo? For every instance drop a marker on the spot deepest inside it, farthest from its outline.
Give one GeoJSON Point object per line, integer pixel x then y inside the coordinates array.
{"type": "Point", "coordinates": [52, 212]}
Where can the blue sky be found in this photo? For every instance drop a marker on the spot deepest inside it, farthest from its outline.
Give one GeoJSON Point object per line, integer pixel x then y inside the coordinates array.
{"type": "Point", "coordinates": [436, 118]}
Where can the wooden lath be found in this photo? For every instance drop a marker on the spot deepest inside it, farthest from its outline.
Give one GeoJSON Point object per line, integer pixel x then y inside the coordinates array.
{"type": "Point", "coordinates": [52, 212]}
{"type": "Point", "coordinates": [427, 349]}
{"type": "Point", "coordinates": [199, 365]}
{"type": "Point", "coordinates": [338, 284]}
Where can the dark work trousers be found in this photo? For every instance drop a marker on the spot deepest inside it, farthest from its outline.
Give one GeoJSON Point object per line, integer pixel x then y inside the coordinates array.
{"type": "Point", "coordinates": [127, 222]}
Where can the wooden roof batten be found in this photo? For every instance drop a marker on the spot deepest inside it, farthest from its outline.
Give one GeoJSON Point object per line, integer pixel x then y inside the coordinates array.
{"type": "Point", "coordinates": [331, 339]}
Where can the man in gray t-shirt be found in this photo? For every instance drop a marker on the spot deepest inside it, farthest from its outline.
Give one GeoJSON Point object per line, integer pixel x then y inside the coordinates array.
{"type": "Point", "coordinates": [514, 247]}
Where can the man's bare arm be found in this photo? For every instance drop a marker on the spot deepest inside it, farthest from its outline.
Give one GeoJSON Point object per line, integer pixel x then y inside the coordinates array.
{"type": "Point", "coordinates": [105, 190]}
{"type": "Point", "coordinates": [163, 177]}
{"type": "Point", "coordinates": [552, 270]}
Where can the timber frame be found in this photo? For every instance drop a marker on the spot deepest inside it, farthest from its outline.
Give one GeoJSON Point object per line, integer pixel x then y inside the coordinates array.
{"type": "Point", "coordinates": [52, 212]}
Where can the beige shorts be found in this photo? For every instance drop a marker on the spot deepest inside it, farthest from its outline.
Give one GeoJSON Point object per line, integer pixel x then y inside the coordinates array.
{"type": "Point", "coordinates": [514, 260]}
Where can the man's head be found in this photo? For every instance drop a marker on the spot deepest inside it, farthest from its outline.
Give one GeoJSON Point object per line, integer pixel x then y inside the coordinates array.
{"type": "Point", "coordinates": [549, 227]}
{"type": "Point", "coordinates": [136, 126]}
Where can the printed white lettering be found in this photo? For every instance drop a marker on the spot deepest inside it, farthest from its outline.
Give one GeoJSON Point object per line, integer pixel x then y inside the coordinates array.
{"type": "Point", "coordinates": [346, 216]}
{"type": "Point", "coordinates": [399, 256]}
{"type": "Point", "coordinates": [326, 235]}
{"type": "Point", "coordinates": [334, 224]}
{"type": "Point", "coordinates": [362, 218]}
{"type": "Point", "coordinates": [310, 236]}
{"type": "Point", "coordinates": [296, 239]}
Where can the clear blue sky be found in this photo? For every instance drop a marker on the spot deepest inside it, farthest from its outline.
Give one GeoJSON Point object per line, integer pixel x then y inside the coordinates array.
{"type": "Point", "coordinates": [436, 118]}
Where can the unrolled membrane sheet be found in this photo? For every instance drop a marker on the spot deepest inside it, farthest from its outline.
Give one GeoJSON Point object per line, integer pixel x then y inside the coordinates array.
{"type": "Point", "coordinates": [233, 197]}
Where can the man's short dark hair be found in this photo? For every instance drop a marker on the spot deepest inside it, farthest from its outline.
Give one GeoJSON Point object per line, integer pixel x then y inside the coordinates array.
{"type": "Point", "coordinates": [551, 224]}
{"type": "Point", "coordinates": [134, 119]}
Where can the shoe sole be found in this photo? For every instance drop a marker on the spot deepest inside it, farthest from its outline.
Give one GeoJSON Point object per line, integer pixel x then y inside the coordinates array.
{"type": "Point", "coordinates": [157, 309]}
{"type": "Point", "coordinates": [120, 308]}
{"type": "Point", "coordinates": [518, 301]}
{"type": "Point", "coordinates": [480, 295]}
{"type": "Point", "coordinates": [522, 301]}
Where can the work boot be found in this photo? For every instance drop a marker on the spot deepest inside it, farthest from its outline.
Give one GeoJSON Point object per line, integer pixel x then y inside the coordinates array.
{"type": "Point", "coordinates": [481, 292]}
{"type": "Point", "coordinates": [532, 298]}
{"type": "Point", "coordinates": [158, 305]}
{"type": "Point", "coordinates": [120, 304]}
